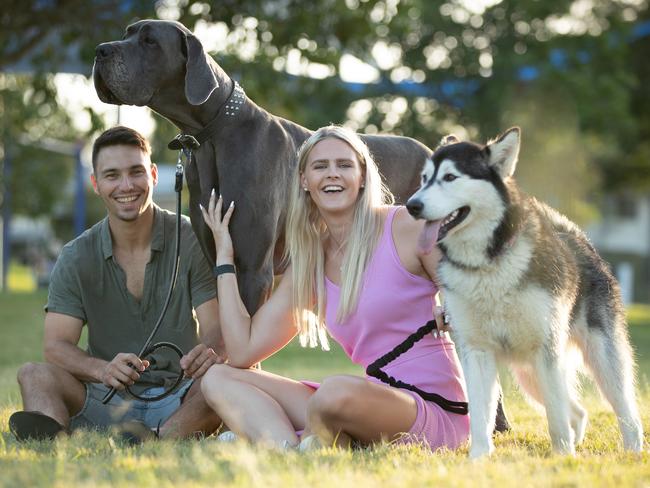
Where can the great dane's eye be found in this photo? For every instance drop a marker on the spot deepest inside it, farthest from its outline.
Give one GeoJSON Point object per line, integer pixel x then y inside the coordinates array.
{"type": "Point", "coordinates": [449, 177]}
{"type": "Point", "coordinates": [150, 41]}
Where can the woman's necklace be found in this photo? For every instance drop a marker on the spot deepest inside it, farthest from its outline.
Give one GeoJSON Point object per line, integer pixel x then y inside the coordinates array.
{"type": "Point", "coordinates": [339, 249]}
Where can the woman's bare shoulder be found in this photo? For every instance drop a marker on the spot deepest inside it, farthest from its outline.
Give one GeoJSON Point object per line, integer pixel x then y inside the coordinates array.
{"type": "Point", "coordinates": [405, 226]}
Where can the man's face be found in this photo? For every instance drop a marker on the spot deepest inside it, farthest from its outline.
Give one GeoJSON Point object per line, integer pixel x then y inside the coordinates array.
{"type": "Point", "coordinates": [124, 179]}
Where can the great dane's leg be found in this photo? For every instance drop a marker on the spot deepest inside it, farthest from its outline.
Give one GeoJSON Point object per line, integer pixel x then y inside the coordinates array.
{"type": "Point", "coordinates": [501, 423]}
{"type": "Point", "coordinates": [254, 285]}
{"type": "Point", "coordinates": [480, 372]}
{"type": "Point", "coordinates": [200, 182]}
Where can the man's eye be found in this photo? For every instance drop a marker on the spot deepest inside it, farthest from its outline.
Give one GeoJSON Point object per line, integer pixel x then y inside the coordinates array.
{"type": "Point", "coordinates": [449, 177]}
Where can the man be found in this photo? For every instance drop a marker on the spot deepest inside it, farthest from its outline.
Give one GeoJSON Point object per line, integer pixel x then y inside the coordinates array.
{"type": "Point", "coordinates": [114, 279]}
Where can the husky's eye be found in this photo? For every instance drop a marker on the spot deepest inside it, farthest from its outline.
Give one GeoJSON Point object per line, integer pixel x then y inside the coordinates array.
{"type": "Point", "coordinates": [449, 177]}
{"type": "Point", "coordinates": [424, 179]}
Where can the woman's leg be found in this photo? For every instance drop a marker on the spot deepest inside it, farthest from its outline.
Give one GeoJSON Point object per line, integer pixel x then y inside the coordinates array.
{"type": "Point", "coordinates": [347, 407]}
{"type": "Point", "coordinates": [257, 405]}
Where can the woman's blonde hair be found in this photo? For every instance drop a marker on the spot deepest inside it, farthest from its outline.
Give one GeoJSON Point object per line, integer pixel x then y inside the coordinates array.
{"type": "Point", "coordinates": [305, 232]}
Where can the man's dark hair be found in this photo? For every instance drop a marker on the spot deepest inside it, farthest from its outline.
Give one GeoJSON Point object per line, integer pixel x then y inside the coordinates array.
{"type": "Point", "coordinates": [119, 136]}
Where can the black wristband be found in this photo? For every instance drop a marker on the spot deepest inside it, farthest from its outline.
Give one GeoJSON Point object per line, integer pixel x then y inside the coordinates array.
{"type": "Point", "coordinates": [223, 269]}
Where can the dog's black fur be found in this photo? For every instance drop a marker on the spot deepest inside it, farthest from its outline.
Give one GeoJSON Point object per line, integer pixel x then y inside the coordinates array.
{"type": "Point", "coordinates": [251, 155]}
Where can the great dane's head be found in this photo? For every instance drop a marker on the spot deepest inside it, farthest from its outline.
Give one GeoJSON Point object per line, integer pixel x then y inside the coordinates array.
{"type": "Point", "coordinates": [153, 56]}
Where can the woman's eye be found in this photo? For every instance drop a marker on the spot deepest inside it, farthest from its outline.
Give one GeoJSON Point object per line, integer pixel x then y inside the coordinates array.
{"type": "Point", "coordinates": [449, 177]}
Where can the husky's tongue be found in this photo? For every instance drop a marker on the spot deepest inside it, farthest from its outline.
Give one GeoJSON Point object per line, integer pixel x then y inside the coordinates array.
{"type": "Point", "coordinates": [428, 236]}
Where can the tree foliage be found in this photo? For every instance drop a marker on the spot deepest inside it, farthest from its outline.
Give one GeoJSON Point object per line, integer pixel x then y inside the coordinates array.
{"type": "Point", "coordinates": [474, 67]}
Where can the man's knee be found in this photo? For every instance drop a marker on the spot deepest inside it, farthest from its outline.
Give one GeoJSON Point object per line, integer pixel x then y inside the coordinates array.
{"type": "Point", "coordinates": [335, 398]}
{"type": "Point", "coordinates": [35, 373]}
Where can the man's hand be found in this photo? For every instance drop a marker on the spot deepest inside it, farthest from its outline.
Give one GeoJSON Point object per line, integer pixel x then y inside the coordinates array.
{"type": "Point", "coordinates": [196, 362]}
{"type": "Point", "coordinates": [124, 370]}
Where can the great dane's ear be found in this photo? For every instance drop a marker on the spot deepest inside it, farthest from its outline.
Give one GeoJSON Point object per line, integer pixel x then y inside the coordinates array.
{"type": "Point", "coordinates": [200, 81]}
{"type": "Point", "coordinates": [504, 151]}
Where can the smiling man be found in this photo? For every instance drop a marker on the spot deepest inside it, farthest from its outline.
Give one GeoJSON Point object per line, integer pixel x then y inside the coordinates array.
{"type": "Point", "coordinates": [113, 279]}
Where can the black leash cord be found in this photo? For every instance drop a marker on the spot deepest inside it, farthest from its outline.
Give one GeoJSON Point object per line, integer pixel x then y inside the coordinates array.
{"type": "Point", "coordinates": [181, 142]}
{"type": "Point", "coordinates": [375, 371]}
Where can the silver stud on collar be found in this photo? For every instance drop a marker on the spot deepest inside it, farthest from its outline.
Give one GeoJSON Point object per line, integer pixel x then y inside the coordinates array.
{"type": "Point", "coordinates": [236, 100]}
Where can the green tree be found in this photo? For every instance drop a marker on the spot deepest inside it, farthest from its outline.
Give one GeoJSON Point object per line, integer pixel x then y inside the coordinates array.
{"type": "Point", "coordinates": [469, 67]}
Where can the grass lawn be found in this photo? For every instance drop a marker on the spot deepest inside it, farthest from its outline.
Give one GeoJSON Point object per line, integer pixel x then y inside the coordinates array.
{"type": "Point", "coordinates": [523, 456]}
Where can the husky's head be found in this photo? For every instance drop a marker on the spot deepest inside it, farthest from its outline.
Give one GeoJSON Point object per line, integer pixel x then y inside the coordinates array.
{"type": "Point", "coordinates": [463, 185]}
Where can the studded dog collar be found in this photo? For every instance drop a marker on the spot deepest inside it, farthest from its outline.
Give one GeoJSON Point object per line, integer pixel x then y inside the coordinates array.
{"type": "Point", "coordinates": [231, 107]}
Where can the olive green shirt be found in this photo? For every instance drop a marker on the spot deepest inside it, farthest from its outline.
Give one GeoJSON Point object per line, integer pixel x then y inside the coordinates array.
{"type": "Point", "coordinates": [87, 283]}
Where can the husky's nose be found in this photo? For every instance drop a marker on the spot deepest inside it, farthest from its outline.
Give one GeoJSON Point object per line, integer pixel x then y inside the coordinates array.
{"type": "Point", "coordinates": [414, 206]}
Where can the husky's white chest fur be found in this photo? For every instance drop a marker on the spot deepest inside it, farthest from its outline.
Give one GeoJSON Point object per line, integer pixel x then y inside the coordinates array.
{"type": "Point", "coordinates": [493, 307]}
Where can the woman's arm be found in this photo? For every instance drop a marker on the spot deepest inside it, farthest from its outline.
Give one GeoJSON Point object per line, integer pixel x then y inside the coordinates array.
{"type": "Point", "coordinates": [406, 232]}
{"type": "Point", "coordinates": [247, 340]}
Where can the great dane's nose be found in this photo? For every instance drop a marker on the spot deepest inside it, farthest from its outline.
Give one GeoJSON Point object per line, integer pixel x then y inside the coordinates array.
{"type": "Point", "coordinates": [414, 206]}
{"type": "Point", "coordinates": [104, 50]}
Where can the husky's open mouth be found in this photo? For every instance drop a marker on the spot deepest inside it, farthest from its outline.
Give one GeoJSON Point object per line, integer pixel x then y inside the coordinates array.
{"type": "Point", "coordinates": [452, 220]}
{"type": "Point", "coordinates": [436, 230]}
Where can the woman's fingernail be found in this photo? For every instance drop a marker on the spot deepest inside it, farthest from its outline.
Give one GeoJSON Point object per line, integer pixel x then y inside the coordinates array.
{"type": "Point", "coordinates": [212, 192]}
{"type": "Point", "coordinates": [201, 207]}
{"type": "Point", "coordinates": [232, 204]}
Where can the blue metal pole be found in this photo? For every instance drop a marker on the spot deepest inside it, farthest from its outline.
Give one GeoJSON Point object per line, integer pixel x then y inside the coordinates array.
{"type": "Point", "coordinates": [6, 213]}
{"type": "Point", "coordinates": [80, 194]}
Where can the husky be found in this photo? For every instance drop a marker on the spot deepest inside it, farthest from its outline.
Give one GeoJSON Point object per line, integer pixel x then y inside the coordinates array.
{"type": "Point", "coordinates": [522, 284]}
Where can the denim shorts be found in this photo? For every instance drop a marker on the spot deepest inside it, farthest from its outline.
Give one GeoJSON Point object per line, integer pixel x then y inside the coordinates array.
{"type": "Point", "coordinates": [95, 415]}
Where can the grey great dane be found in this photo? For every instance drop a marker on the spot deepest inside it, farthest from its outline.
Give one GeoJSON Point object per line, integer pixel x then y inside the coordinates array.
{"type": "Point", "coordinates": [246, 153]}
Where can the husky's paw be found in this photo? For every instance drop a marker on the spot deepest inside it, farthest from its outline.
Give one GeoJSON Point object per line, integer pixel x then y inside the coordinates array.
{"type": "Point", "coordinates": [633, 441]}
{"type": "Point", "coordinates": [564, 447]}
{"type": "Point", "coordinates": [478, 451]}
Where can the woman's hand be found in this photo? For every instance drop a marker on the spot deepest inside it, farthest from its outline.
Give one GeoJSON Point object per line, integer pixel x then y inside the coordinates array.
{"type": "Point", "coordinates": [219, 228]}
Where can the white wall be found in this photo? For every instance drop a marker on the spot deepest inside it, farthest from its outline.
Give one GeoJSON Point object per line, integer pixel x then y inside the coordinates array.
{"type": "Point", "coordinates": [626, 235]}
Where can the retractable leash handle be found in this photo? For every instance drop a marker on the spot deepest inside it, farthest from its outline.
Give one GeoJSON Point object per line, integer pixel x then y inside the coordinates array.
{"type": "Point", "coordinates": [185, 144]}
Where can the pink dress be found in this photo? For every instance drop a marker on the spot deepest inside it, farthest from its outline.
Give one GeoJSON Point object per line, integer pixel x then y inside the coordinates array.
{"type": "Point", "coordinates": [393, 304]}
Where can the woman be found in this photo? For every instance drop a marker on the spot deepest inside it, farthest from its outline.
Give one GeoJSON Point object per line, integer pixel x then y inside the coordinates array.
{"type": "Point", "coordinates": [354, 263]}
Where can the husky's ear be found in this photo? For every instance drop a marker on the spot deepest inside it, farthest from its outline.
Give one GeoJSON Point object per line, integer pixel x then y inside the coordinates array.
{"type": "Point", "coordinates": [448, 139]}
{"type": "Point", "coordinates": [504, 151]}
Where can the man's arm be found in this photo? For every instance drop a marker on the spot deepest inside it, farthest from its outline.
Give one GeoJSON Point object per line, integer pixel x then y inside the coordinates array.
{"type": "Point", "coordinates": [211, 349]}
{"type": "Point", "coordinates": [207, 315]}
{"type": "Point", "coordinates": [61, 339]}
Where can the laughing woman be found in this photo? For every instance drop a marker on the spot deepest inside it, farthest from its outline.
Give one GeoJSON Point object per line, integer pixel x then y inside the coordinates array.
{"type": "Point", "coordinates": [354, 264]}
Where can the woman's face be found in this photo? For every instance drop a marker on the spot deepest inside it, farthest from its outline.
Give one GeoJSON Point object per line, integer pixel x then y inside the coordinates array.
{"type": "Point", "coordinates": [333, 176]}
